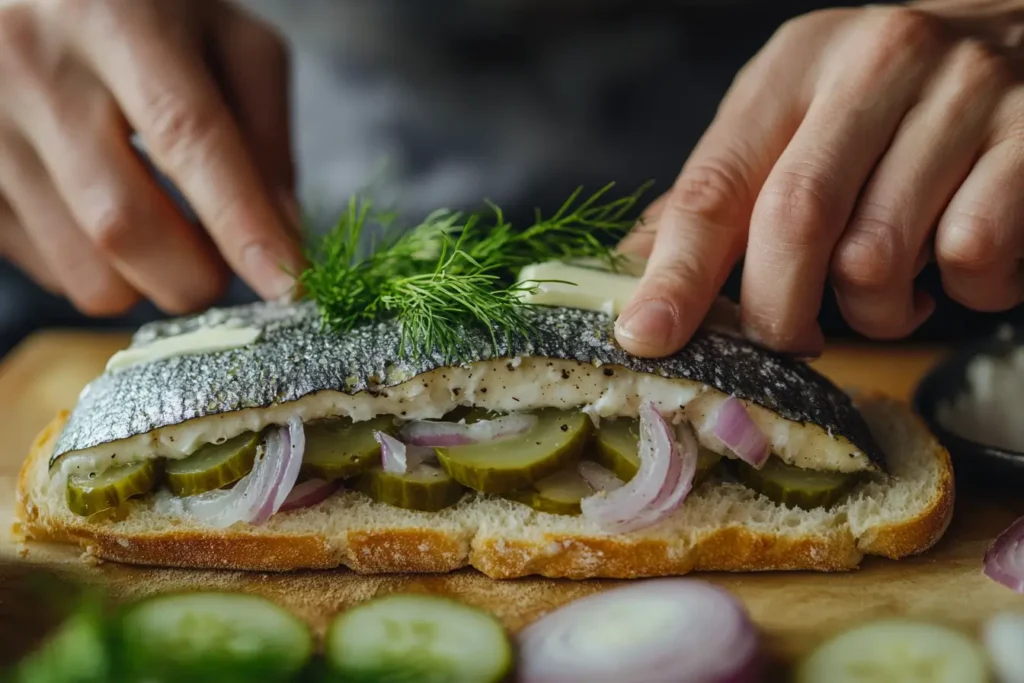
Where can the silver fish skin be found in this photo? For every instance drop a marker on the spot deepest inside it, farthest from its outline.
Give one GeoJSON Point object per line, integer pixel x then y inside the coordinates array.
{"type": "Point", "coordinates": [296, 356]}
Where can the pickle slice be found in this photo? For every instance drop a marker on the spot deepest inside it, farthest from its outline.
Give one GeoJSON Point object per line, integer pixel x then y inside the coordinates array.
{"type": "Point", "coordinates": [618, 442]}
{"type": "Point", "coordinates": [795, 486]}
{"type": "Point", "coordinates": [518, 462]}
{"type": "Point", "coordinates": [213, 466]}
{"type": "Point", "coordinates": [559, 494]}
{"type": "Point", "coordinates": [339, 449]}
{"type": "Point", "coordinates": [424, 487]}
{"type": "Point", "coordinates": [88, 494]}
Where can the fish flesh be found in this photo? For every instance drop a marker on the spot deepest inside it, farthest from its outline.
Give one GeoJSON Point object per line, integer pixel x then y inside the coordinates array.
{"type": "Point", "coordinates": [569, 358]}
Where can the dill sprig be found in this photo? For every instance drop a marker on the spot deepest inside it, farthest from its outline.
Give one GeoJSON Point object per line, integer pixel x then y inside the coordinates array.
{"type": "Point", "coordinates": [454, 269]}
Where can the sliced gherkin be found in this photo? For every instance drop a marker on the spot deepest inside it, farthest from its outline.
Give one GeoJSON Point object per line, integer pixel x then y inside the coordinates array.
{"type": "Point", "coordinates": [425, 487]}
{"type": "Point", "coordinates": [518, 462]}
{"type": "Point", "coordinates": [213, 466]}
{"type": "Point", "coordinates": [339, 449]}
{"type": "Point", "coordinates": [617, 445]}
{"type": "Point", "coordinates": [795, 486]}
{"type": "Point", "coordinates": [559, 494]}
{"type": "Point", "coordinates": [88, 494]}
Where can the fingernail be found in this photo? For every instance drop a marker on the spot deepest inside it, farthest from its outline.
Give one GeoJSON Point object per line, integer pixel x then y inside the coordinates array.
{"type": "Point", "coordinates": [268, 273]}
{"type": "Point", "coordinates": [651, 322]}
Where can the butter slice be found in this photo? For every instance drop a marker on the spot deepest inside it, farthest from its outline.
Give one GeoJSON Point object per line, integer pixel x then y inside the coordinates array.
{"type": "Point", "coordinates": [592, 288]}
{"type": "Point", "coordinates": [205, 340]}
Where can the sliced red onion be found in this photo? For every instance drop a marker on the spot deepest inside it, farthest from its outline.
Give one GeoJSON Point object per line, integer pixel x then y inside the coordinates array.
{"type": "Point", "coordinates": [657, 631]}
{"type": "Point", "coordinates": [259, 494]}
{"type": "Point", "coordinates": [397, 457]}
{"type": "Point", "coordinates": [655, 487]}
{"type": "Point", "coordinates": [597, 477]}
{"type": "Point", "coordinates": [309, 493]}
{"type": "Point", "coordinates": [1003, 637]}
{"type": "Point", "coordinates": [672, 496]}
{"type": "Point", "coordinates": [293, 446]}
{"type": "Point", "coordinates": [437, 433]}
{"type": "Point", "coordinates": [1004, 561]}
{"type": "Point", "coordinates": [740, 433]}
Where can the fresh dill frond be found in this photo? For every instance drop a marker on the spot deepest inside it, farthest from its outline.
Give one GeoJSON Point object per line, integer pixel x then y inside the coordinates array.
{"type": "Point", "coordinates": [577, 230]}
{"type": "Point", "coordinates": [453, 270]}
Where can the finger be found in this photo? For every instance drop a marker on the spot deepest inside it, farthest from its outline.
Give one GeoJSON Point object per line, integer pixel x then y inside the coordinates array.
{"type": "Point", "coordinates": [17, 247]}
{"type": "Point", "coordinates": [92, 285]}
{"type": "Point", "coordinates": [254, 65]}
{"type": "Point", "coordinates": [83, 143]}
{"type": "Point", "coordinates": [807, 200]}
{"type": "Point", "coordinates": [171, 100]}
{"type": "Point", "coordinates": [980, 239]}
{"type": "Point", "coordinates": [702, 223]}
{"type": "Point", "coordinates": [640, 240]}
{"type": "Point", "coordinates": [878, 257]}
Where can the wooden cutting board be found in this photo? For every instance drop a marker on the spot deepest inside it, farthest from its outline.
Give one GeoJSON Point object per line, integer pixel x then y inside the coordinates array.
{"type": "Point", "coordinates": [795, 610]}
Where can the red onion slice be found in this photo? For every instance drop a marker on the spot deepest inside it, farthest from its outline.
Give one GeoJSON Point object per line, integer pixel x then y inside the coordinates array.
{"type": "Point", "coordinates": [436, 433]}
{"type": "Point", "coordinates": [741, 434]}
{"type": "Point", "coordinates": [598, 477]}
{"type": "Point", "coordinates": [294, 445]}
{"type": "Point", "coordinates": [673, 496]}
{"type": "Point", "coordinates": [657, 631]}
{"type": "Point", "coordinates": [309, 493]}
{"type": "Point", "coordinates": [262, 492]}
{"type": "Point", "coordinates": [398, 458]}
{"type": "Point", "coordinates": [1004, 561]}
{"type": "Point", "coordinates": [620, 510]}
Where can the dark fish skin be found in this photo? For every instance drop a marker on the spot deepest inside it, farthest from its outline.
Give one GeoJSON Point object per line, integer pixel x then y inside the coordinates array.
{"type": "Point", "coordinates": [295, 357]}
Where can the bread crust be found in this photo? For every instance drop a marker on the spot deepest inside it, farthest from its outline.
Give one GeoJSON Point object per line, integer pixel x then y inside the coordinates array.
{"type": "Point", "coordinates": [376, 550]}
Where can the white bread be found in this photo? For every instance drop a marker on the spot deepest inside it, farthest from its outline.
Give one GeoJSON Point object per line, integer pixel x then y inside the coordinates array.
{"type": "Point", "coordinates": [721, 527]}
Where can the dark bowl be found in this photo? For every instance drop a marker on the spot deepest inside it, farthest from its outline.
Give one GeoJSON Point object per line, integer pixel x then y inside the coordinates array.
{"type": "Point", "coordinates": [945, 382]}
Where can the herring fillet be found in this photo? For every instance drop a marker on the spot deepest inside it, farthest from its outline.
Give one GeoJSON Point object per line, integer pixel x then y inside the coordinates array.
{"type": "Point", "coordinates": [295, 356]}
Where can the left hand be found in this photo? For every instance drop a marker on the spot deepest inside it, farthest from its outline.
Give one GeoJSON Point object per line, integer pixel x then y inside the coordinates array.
{"type": "Point", "coordinates": [855, 143]}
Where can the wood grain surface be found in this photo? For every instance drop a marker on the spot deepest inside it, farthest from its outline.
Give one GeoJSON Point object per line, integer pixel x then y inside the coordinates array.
{"type": "Point", "coordinates": [794, 610]}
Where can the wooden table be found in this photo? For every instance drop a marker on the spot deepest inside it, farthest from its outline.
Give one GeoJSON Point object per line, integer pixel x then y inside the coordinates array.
{"type": "Point", "coordinates": [795, 610]}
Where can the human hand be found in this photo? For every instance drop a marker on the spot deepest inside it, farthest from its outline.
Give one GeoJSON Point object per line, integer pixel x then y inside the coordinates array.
{"type": "Point", "coordinates": [205, 88]}
{"type": "Point", "coordinates": [848, 146]}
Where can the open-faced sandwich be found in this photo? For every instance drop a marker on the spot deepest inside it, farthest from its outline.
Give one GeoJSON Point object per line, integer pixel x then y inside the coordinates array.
{"type": "Point", "coordinates": [503, 429]}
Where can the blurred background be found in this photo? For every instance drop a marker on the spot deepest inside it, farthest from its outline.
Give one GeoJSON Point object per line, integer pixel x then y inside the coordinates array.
{"type": "Point", "coordinates": [445, 103]}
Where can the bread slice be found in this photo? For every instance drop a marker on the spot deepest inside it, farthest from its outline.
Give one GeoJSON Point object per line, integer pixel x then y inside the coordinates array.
{"type": "Point", "coordinates": [721, 527]}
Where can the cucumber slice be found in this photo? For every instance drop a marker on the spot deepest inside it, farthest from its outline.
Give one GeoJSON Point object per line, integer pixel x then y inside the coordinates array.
{"type": "Point", "coordinates": [88, 494]}
{"type": "Point", "coordinates": [208, 636]}
{"type": "Point", "coordinates": [618, 443]}
{"type": "Point", "coordinates": [895, 651]}
{"type": "Point", "coordinates": [420, 638]}
{"type": "Point", "coordinates": [76, 653]}
{"type": "Point", "coordinates": [213, 466]}
{"type": "Point", "coordinates": [795, 486]}
{"type": "Point", "coordinates": [339, 449]}
{"type": "Point", "coordinates": [559, 494]}
{"type": "Point", "coordinates": [425, 488]}
{"type": "Point", "coordinates": [518, 462]}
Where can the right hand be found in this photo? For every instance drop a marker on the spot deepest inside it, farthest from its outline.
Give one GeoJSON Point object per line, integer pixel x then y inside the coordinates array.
{"type": "Point", "coordinates": [205, 87]}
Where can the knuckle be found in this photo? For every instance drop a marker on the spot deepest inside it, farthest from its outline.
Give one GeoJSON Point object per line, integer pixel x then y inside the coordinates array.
{"type": "Point", "coordinates": [713, 189]}
{"type": "Point", "coordinates": [111, 228]}
{"type": "Point", "coordinates": [978, 65]}
{"type": "Point", "coordinates": [968, 243]}
{"type": "Point", "coordinates": [178, 128]}
{"type": "Point", "coordinates": [902, 29]}
{"type": "Point", "coordinates": [796, 202]}
{"type": "Point", "coordinates": [19, 42]}
{"type": "Point", "coordinates": [867, 258]}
